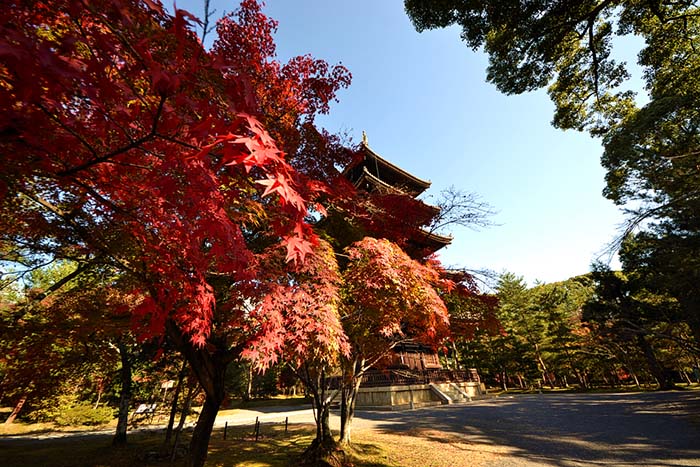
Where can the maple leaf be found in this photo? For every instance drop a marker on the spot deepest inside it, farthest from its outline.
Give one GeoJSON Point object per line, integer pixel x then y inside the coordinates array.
{"type": "Point", "coordinates": [280, 184]}
{"type": "Point", "coordinates": [297, 248]}
{"type": "Point", "coordinates": [154, 5]}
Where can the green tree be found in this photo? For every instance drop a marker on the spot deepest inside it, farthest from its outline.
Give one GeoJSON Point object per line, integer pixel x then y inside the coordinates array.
{"type": "Point", "coordinates": [542, 335]}
{"type": "Point", "coordinates": [628, 314]}
{"type": "Point", "coordinates": [651, 151]}
{"type": "Point", "coordinates": [521, 317]}
{"type": "Point", "coordinates": [58, 336]}
{"type": "Point", "coordinates": [560, 305]}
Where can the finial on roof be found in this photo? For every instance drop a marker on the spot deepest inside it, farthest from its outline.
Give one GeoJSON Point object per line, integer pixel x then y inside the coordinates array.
{"type": "Point", "coordinates": [364, 138]}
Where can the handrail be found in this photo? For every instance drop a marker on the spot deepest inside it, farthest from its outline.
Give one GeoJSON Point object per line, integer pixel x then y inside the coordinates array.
{"type": "Point", "coordinates": [399, 377]}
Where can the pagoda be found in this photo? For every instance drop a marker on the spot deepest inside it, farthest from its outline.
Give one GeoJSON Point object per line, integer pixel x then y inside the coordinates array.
{"type": "Point", "coordinates": [411, 375]}
{"type": "Point", "coordinates": [371, 173]}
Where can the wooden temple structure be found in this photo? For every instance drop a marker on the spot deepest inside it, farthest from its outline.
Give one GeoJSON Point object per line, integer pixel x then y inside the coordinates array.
{"type": "Point", "coordinates": [372, 173]}
{"type": "Point", "coordinates": [412, 374]}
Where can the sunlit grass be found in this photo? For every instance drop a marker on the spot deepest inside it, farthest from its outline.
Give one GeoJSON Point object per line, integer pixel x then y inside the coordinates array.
{"type": "Point", "coordinates": [274, 448]}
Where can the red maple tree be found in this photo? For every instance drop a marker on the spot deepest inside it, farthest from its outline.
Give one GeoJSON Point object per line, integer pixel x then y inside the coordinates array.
{"type": "Point", "coordinates": [388, 299]}
{"type": "Point", "coordinates": [126, 144]}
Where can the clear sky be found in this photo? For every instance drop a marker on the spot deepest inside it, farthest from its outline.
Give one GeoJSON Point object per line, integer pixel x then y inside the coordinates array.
{"type": "Point", "coordinates": [425, 105]}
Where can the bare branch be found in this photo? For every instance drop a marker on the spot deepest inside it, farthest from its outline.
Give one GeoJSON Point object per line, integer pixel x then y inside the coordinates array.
{"type": "Point", "coordinates": [460, 208]}
{"type": "Point", "coordinates": [205, 25]}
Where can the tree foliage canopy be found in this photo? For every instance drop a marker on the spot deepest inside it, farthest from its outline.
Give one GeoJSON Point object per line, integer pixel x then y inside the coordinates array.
{"type": "Point", "coordinates": [125, 142]}
{"type": "Point", "coordinates": [389, 296]}
{"type": "Point", "coordinates": [651, 150]}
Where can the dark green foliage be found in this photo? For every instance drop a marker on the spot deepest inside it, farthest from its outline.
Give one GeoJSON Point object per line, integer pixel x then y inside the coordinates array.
{"type": "Point", "coordinates": [541, 339]}
{"type": "Point", "coordinates": [605, 328]}
{"type": "Point", "coordinates": [629, 315]}
{"type": "Point", "coordinates": [534, 43]}
{"type": "Point", "coordinates": [245, 383]}
{"type": "Point", "coordinates": [651, 145]}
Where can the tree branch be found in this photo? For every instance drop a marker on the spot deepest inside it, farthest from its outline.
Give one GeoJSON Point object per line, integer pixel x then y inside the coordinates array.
{"type": "Point", "coordinates": [132, 145]}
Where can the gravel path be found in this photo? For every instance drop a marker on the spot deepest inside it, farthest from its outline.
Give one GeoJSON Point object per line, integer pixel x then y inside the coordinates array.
{"type": "Point", "coordinates": [647, 429]}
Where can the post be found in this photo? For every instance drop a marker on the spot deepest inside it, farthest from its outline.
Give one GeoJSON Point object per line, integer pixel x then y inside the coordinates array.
{"type": "Point", "coordinates": [225, 428]}
{"type": "Point", "coordinates": [257, 430]}
{"type": "Point", "coordinates": [286, 424]}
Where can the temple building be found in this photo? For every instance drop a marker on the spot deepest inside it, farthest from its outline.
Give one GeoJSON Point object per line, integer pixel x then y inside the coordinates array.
{"type": "Point", "coordinates": [412, 374]}
{"type": "Point", "coordinates": [372, 173]}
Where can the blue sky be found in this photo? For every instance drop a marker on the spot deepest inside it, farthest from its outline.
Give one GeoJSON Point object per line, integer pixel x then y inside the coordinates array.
{"type": "Point", "coordinates": [423, 100]}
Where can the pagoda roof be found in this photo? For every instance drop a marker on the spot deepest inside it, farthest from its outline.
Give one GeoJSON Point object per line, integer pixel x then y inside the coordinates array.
{"type": "Point", "coordinates": [434, 241]}
{"type": "Point", "coordinates": [378, 183]}
{"type": "Point", "coordinates": [385, 188]}
{"type": "Point", "coordinates": [383, 172]}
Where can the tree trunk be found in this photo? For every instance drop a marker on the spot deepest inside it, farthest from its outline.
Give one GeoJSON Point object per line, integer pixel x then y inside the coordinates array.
{"type": "Point", "coordinates": [348, 412]}
{"type": "Point", "coordinates": [685, 376]}
{"type": "Point", "coordinates": [326, 426]}
{"type": "Point", "coordinates": [16, 410]}
{"type": "Point", "coordinates": [349, 397]}
{"type": "Point", "coordinates": [324, 444]}
{"type": "Point", "coordinates": [199, 445]}
{"type": "Point", "coordinates": [636, 380]}
{"type": "Point", "coordinates": [100, 390]}
{"type": "Point", "coordinates": [249, 384]}
{"type": "Point", "coordinates": [579, 378]}
{"type": "Point", "coordinates": [456, 356]}
{"type": "Point", "coordinates": [210, 369]}
{"type": "Point", "coordinates": [173, 406]}
{"type": "Point", "coordinates": [664, 380]}
{"type": "Point", "coordinates": [186, 405]}
{"type": "Point", "coordinates": [546, 377]}
{"type": "Point", "coordinates": [627, 362]}
{"type": "Point", "coordinates": [124, 397]}
{"type": "Point", "coordinates": [322, 404]}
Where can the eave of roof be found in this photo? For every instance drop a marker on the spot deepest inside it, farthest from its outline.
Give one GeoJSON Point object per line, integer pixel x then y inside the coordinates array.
{"type": "Point", "coordinates": [425, 184]}
{"type": "Point", "coordinates": [440, 239]}
{"type": "Point", "coordinates": [367, 175]}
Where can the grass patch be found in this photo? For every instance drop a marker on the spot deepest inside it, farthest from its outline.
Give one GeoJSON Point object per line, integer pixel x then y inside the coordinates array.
{"type": "Point", "coordinates": [25, 428]}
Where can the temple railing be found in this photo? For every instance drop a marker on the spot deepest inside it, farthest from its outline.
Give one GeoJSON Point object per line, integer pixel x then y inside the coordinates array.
{"type": "Point", "coordinates": [399, 377]}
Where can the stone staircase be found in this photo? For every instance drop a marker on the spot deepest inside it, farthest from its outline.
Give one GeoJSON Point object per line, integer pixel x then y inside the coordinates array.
{"type": "Point", "coordinates": [449, 393]}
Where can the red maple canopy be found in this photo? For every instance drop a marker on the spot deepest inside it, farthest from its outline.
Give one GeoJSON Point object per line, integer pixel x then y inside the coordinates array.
{"type": "Point", "coordinates": [125, 142]}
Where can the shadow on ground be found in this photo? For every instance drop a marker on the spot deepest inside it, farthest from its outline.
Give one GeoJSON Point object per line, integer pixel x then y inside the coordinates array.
{"type": "Point", "coordinates": [646, 429]}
